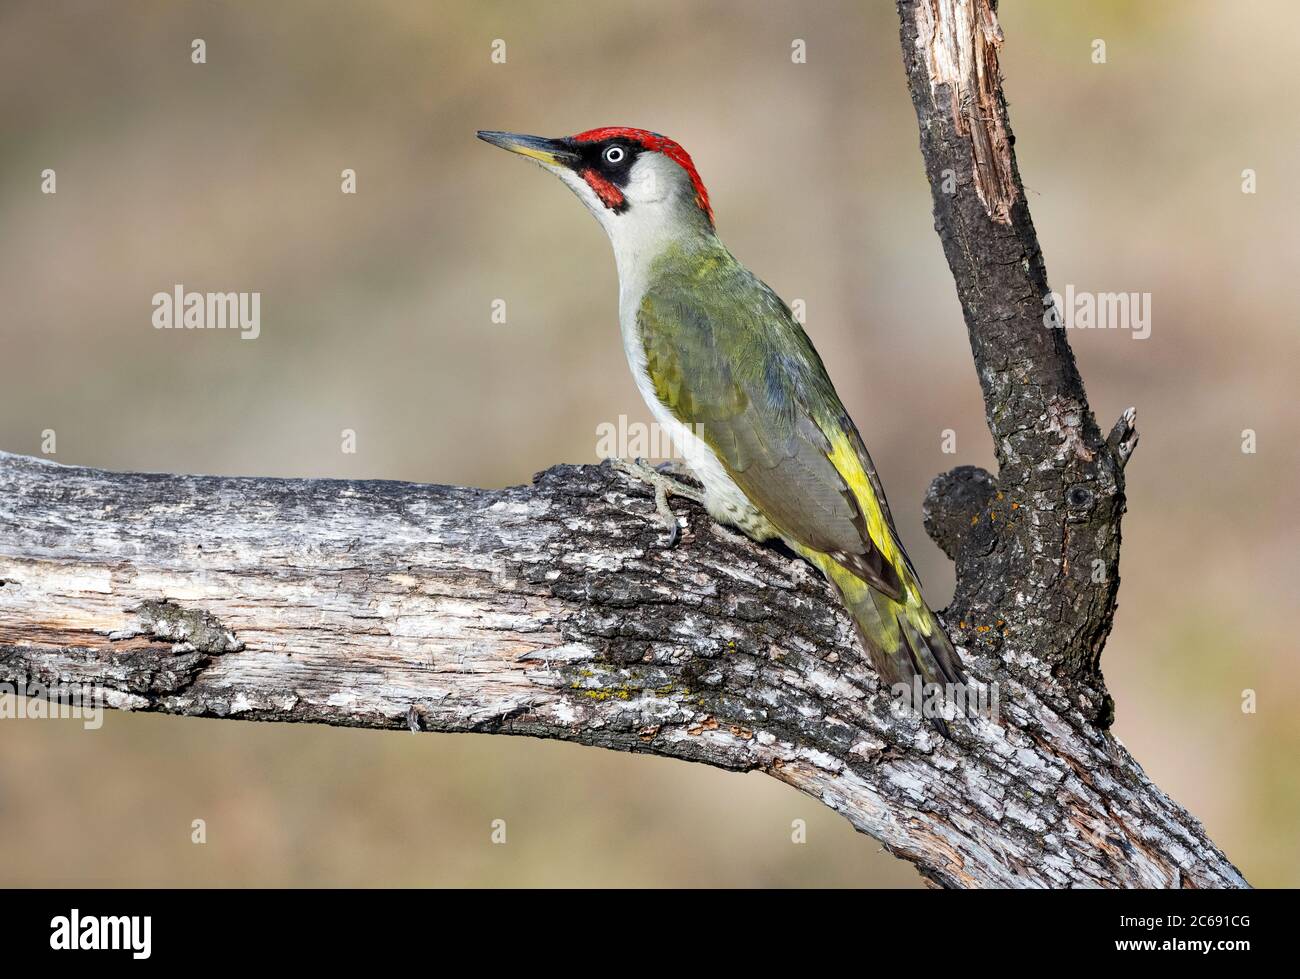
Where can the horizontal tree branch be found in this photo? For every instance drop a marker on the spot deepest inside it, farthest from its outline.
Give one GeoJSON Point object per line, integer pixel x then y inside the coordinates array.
{"type": "Point", "coordinates": [552, 610]}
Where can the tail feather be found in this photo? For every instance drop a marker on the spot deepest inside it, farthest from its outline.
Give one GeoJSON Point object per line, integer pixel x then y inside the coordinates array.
{"type": "Point", "coordinates": [903, 639]}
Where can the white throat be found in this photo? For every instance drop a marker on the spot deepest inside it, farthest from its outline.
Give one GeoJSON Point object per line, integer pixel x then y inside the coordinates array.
{"type": "Point", "coordinates": [661, 212]}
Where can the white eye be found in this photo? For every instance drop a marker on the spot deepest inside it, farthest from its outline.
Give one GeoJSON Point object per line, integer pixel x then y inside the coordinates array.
{"type": "Point", "coordinates": [615, 154]}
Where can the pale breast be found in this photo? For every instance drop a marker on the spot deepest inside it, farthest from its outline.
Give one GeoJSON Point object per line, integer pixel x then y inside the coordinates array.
{"type": "Point", "coordinates": [725, 501]}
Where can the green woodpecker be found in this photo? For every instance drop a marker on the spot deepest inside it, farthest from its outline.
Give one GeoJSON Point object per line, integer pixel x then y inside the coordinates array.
{"type": "Point", "coordinates": [729, 373]}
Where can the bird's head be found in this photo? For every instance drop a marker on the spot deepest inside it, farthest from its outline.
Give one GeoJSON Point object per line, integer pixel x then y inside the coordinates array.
{"type": "Point", "coordinates": [635, 182]}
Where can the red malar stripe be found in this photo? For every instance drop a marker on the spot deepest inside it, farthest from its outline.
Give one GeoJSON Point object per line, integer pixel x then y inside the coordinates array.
{"type": "Point", "coordinates": [610, 195]}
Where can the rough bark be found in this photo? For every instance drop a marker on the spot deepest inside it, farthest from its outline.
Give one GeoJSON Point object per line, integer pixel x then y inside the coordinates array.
{"type": "Point", "coordinates": [554, 611]}
{"type": "Point", "coordinates": [1037, 546]}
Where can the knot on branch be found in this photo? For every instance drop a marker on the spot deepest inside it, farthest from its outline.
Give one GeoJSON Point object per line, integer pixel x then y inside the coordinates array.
{"type": "Point", "coordinates": [189, 629]}
{"type": "Point", "coordinates": [953, 506]}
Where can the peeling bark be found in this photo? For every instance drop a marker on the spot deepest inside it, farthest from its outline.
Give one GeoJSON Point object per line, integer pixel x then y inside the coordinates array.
{"type": "Point", "coordinates": [959, 40]}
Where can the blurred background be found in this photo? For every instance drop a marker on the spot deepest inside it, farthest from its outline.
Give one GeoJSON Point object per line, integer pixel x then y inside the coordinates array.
{"type": "Point", "coordinates": [377, 317]}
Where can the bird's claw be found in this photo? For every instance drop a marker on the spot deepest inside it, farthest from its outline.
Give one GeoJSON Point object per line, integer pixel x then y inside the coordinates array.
{"type": "Point", "coordinates": [666, 512]}
{"type": "Point", "coordinates": [663, 486]}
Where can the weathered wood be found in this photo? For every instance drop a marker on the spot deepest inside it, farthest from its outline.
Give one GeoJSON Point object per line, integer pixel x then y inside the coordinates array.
{"type": "Point", "coordinates": [551, 610]}
{"type": "Point", "coordinates": [1037, 546]}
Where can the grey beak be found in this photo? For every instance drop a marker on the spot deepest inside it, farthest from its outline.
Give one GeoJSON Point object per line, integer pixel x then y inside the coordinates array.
{"type": "Point", "coordinates": [552, 152]}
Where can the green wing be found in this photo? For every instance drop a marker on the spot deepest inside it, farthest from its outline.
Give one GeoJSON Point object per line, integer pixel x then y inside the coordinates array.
{"type": "Point", "coordinates": [727, 358]}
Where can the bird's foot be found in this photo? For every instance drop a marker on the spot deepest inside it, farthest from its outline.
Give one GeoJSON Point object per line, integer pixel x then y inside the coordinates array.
{"type": "Point", "coordinates": [664, 485]}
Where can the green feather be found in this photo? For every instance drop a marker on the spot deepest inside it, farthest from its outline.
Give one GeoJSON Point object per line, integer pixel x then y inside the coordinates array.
{"type": "Point", "coordinates": [727, 358]}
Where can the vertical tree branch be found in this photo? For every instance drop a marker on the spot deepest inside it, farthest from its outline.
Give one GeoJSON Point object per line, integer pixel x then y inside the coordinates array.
{"type": "Point", "coordinates": [1037, 548]}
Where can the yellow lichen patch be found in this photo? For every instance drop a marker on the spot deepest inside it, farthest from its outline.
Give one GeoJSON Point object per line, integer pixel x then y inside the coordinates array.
{"type": "Point", "coordinates": [622, 693]}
